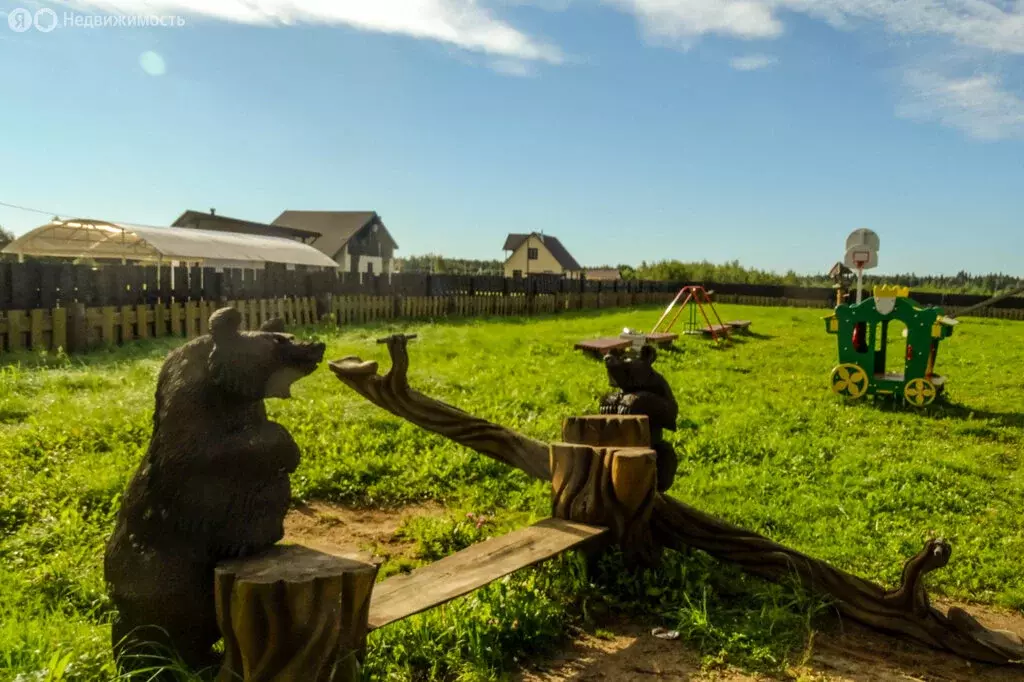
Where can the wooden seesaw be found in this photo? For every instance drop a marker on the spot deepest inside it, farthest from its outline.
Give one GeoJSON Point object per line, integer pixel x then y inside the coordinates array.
{"type": "Point", "coordinates": [296, 614]}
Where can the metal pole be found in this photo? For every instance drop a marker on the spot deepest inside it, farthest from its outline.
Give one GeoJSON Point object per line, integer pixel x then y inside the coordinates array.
{"type": "Point", "coordinates": [860, 283]}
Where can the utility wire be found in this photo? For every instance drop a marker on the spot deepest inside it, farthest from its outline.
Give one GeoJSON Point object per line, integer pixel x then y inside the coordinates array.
{"type": "Point", "coordinates": [30, 210]}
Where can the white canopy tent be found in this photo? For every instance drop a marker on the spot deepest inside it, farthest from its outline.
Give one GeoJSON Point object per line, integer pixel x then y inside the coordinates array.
{"type": "Point", "coordinates": [99, 239]}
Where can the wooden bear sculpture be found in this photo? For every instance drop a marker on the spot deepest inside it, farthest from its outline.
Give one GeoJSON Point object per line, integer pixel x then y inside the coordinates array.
{"type": "Point", "coordinates": [212, 485]}
{"type": "Point", "coordinates": [642, 390]}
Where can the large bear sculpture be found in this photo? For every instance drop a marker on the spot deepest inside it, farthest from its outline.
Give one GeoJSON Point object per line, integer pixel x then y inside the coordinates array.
{"type": "Point", "coordinates": [213, 485]}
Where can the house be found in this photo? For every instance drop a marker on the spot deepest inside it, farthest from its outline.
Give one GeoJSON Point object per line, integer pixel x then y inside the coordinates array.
{"type": "Point", "coordinates": [356, 240]}
{"type": "Point", "coordinates": [538, 253]}
{"type": "Point", "coordinates": [604, 275]}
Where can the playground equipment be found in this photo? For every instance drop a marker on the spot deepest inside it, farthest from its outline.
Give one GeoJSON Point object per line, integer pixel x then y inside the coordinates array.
{"type": "Point", "coordinates": [696, 302]}
{"type": "Point", "coordinates": [862, 330]}
{"type": "Point", "coordinates": [861, 254]}
{"type": "Point", "coordinates": [604, 479]}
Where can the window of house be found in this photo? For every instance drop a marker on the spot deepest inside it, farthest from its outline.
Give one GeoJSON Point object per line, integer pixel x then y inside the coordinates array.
{"type": "Point", "coordinates": [531, 254]}
{"type": "Point", "coordinates": [517, 273]}
{"type": "Point", "coordinates": [369, 268]}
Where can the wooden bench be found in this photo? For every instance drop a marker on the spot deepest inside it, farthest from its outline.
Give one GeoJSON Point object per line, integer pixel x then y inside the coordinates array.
{"type": "Point", "coordinates": [602, 346]}
{"type": "Point", "coordinates": [401, 596]}
{"type": "Point", "coordinates": [662, 338]}
{"type": "Point", "coordinates": [722, 329]}
{"type": "Point", "coordinates": [607, 344]}
{"type": "Point", "coordinates": [739, 324]}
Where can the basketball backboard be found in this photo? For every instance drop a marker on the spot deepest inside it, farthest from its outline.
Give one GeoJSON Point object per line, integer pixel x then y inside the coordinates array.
{"type": "Point", "coordinates": [863, 237]}
{"type": "Point", "coordinates": [860, 257]}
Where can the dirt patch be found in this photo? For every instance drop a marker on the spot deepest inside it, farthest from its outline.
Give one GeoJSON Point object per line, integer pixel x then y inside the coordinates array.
{"type": "Point", "coordinates": [847, 653]}
{"type": "Point", "coordinates": [368, 533]}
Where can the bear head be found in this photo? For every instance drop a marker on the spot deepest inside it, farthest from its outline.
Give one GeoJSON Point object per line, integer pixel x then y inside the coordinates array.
{"type": "Point", "coordinates": [632, 372]}
{"type": "Point", "coordinates": [259, 364]}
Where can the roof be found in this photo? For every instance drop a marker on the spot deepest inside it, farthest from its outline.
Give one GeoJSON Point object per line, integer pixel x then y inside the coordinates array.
{"type": "Point", "coordinates": [604, 273]}
{"type": "Point", "coordinates": [196, 218]}
{"type": "Point", "coordinates": [560, 253]}
{"type": "Point", "coordinates": [335, 228]}
{"type": "Point", "coordinates": [80, 237]}
{"type": "Point", "coordinates": [839, 269]}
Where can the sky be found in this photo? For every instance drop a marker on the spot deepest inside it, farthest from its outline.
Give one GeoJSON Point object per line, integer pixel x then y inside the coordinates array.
{"type": "Point", "coordinates": [762, 131]}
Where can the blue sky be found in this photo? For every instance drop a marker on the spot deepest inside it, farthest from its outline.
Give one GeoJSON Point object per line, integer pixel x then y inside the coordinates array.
{"type": "Point", "coordinates": [757, 130]}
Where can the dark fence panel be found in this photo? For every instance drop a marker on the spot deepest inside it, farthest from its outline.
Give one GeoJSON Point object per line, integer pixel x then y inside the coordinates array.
{"type": "Point", "coordinates": [30, 285]}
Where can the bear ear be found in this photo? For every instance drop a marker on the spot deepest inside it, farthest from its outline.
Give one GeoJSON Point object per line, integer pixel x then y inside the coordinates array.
{"type": "Point", "coordinates": [648, 354]}
{"type": "Point", "coordinates": [225, 323]}
{"type": "Point", "coordinates": [274, 324]}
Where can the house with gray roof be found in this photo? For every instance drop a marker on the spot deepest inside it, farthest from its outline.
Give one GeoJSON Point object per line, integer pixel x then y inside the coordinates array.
{"type": "Point", "coordinates": [537, 253]}
{"type": "Point", "coordinates": [357, 241]}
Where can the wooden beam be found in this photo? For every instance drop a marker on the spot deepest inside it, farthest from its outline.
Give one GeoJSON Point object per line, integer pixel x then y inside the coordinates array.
{"type": "Point", "coordinates": [406, 595]}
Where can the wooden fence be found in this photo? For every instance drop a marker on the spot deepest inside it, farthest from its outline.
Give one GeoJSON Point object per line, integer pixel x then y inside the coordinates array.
{"type": "Point", "coordinates": [76, 308]}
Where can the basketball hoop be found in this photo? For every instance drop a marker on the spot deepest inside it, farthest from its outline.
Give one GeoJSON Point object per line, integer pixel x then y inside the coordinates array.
{"type": "Point", "coordinates": [861, 254]}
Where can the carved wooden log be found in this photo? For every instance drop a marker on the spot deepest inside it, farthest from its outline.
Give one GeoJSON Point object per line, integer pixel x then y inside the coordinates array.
{"type": "Point", "coordinates": [391, 392]}
{"type": "Point", "coordinates": [604, 430]}
{"type": "Point", "coordinates": [675, 524]}
{"type": "Point", "coordinates": [293, 614]}
{"type": "Point", "coordinates": [610, 487]}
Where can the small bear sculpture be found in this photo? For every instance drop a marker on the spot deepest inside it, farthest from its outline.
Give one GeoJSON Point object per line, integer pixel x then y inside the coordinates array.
{"type": "Point", "coordinates": [213, 485]}
{"type": "Point", "coordinates": [642, 390]}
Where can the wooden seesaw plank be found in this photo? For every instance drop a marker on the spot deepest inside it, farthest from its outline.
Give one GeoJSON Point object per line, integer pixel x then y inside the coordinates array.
{"type": "Point", "coordinates": [405, 595]}
{"type": "Point", "coordinates": [602, 346]}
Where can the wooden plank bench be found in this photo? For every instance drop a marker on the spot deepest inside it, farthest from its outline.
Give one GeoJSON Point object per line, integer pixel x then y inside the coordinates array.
{"type": "Point", "coordinates": [722, 329]}
{"type": "Point", "coordinates": [405, 595]}
{"type": "Point", "coordinates": [602, 346]}
{"type": "Point", "coordinates": [739, 324]}
{"type": "Point", "coordinates": [662, 338]}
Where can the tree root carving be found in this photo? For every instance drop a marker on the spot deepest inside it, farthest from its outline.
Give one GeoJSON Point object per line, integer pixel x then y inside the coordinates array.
{"type": "Point", "coordinates": [904, 611]}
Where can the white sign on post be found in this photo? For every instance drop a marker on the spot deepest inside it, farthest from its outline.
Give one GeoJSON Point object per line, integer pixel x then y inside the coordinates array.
{"type": "Point", "coordinates": [861, 254]}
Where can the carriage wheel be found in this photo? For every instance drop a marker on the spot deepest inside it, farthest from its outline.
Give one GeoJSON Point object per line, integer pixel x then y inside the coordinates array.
{"type": "Point", "coordinates": [920, 392]}
{"type": "Point", "coordinates": [849, 380]}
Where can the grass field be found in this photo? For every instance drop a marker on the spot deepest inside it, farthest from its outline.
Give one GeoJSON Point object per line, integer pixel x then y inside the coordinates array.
{"type": "Point", "coordinates": [761, 443]}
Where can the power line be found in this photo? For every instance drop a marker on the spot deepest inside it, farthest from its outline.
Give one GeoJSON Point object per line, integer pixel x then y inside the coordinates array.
{"type": "Point", "coordinates": [30, 210]}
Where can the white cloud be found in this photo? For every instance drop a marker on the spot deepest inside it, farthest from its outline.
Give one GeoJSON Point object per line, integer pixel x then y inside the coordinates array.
{"type": "Point", "coordinates": [752, 62]}
{"type": "Point", "coordinates": [978, 105]}
{"type": "Point", "coordinates": [990, 24]}
{"type": "Point", "coordinates": [686, 20]}
{"type": "Point", "coordinates": [463, 23]}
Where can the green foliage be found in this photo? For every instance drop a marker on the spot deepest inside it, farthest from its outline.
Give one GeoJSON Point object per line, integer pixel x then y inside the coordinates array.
{"type": "Point", "coordinates": [734, 273]}
{"type": "Point", "coordinates": [432, 263]}
{"type": "Point", "coordinates": [761, 441]}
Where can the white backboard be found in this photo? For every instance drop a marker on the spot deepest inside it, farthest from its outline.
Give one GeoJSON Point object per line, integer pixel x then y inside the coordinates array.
{"type": "Point", "coordinates": [863, 237]}
{"type": "Point", "coordinates": [859, 256]}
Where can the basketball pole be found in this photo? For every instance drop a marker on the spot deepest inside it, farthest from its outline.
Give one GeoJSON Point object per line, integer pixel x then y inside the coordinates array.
{"type": "Point", "coordinates": [860, 282]}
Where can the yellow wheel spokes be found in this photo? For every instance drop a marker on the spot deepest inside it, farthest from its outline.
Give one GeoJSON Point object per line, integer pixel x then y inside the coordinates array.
{"type": "Point", "coordinates": [920, 392]}
{"type": "Point", "coordinates": [849, 380]}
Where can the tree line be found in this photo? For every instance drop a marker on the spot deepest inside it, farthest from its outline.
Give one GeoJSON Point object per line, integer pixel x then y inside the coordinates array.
{"type": "Point", "coordinates": [731, 272]}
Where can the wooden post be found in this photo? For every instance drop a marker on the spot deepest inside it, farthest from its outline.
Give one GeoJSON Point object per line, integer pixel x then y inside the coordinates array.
{"type": "Point", "coordinates": [629, 430]}
{"type": "Point", "coordinates": [59, 335]}
{"type": "Point", "coordinates": [78, 328]}
{"type": "Point", "coordinates": [293, 614]}
{"type": "Point", "coordinates": [605, 479]}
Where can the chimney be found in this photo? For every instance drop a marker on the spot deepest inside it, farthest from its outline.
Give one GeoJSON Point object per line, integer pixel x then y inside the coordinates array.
{"type": "Point", "coordinates": [213, 211]}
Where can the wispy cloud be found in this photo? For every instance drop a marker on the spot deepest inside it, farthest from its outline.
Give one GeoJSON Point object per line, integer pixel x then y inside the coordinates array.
{"type": "Point", "coordinates": [752, 62]}
{"type": "Point", "coordinates": [686, 20]}
{"type": "Point", "coordinates": [977, 105]}
{"type": "Point", "coordinates": [462, 23]}
{"type": "Point", "coordinates": [996, 25]}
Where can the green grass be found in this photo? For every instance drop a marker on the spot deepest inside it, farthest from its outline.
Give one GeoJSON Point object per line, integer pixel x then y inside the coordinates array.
{"type": "Point", "coordinates": [761, 442]}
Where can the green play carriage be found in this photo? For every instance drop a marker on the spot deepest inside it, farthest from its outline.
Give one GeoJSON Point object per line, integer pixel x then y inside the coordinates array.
{"type": "Point", "coordinates": [863, 333]}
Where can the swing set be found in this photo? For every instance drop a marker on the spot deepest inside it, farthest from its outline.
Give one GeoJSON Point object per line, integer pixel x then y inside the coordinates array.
{"type": "Point", "coordinates": [696, 302]}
